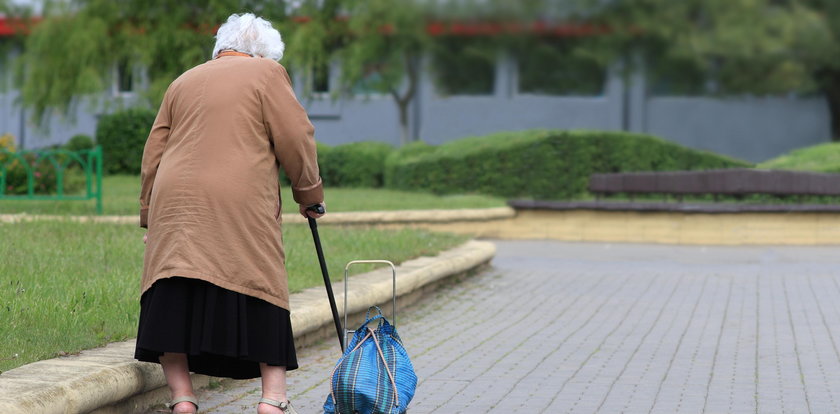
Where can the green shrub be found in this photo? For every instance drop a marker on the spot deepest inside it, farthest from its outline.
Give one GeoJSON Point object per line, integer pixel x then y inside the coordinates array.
{"type": "Point", "coordinates": [401, 155]}
{"type": "Point", "coordinates": [15, 168]}
{"type": "Point", "coordinates": [79, 142]}
{"type": "Point", "coordinates": [358, 164]}
{"type": "Point", "coordinates": [122, 136]}
{"type": "Point", "coordinates": [818, 158]}
{"type": "Point", "coordinates": [543, 164]}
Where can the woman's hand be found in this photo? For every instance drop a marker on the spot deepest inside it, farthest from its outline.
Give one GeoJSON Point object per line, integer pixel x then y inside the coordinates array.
{"type": "Point", "coordinates": [309, 213]}
{"type": "Point", "coordinates": [145, 238]}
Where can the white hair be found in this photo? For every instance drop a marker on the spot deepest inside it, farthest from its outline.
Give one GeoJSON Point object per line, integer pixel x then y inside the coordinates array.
{"type": "Point", "coordinates": [249, 34]}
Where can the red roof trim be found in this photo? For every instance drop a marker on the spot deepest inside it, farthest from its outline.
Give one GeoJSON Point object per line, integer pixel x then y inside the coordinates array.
{"type": "Point", "coordinates": [10, 26]}
{"type": "Point", "coordinates": [497, 28]}
{"type": "Point", "coordinates": [439, 28]}
{"type": "Point", "coordinates": [13, 26]}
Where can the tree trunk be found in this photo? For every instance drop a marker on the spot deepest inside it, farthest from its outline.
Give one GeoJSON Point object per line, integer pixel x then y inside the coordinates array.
{"type": "Point", "coordinates": [405, 136]}
{"type": "Point", "coordinates": [830, 80]}
{"type": "Point", "coordinates": [403, 101]}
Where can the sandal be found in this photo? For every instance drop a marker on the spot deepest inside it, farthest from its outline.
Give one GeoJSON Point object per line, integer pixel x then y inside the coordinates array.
{"type": "Point", "coordinates": [285, 407]}
{"type": "Point", "coordinates": [171, 405]}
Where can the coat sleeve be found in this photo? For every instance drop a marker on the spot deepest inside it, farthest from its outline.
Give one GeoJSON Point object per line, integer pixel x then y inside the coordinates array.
{"type": "Point", "coordinates": [292, 137]}
{"type": "Point", "coordinates": [152, 153]}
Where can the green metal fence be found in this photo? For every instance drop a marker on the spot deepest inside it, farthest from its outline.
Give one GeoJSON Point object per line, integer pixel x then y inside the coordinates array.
{"type": "Point", "coordinates": [28, 175]}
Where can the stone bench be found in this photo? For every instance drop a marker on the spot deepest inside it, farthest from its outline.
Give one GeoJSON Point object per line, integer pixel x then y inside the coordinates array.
{"type": "Point", "coordinates": [737, 182]}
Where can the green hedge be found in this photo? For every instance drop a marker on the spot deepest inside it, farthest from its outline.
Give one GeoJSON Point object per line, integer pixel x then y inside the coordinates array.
{"type": "Point", "coordinates": [358, 164]}
{"type": "Point", "coordinates": [79, 142]}
{"type": "Point", "coordinates": [406, 152]}
{"type": "Point", "coordinates": [819, 158]}
{"type": "Point", "coordinates": [122, 136]}
{"type": "Point", "coordinates": [15, 167]}
{"type": "Point", "coordinates": [542, 164]}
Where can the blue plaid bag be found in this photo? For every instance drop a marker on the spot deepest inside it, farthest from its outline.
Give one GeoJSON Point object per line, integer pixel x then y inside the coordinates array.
{"type": "Point", "coordinates": [375, 375]}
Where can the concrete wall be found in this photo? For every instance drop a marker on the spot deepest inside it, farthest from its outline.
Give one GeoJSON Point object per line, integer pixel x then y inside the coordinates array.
{"type": "Point", "coordinates": [437, 119]}
{"type": "Point", "coordinates": [446, 118]}
{"type": "Point", "coordinates": [356, 119]}
{"type": "Point", "coordinates": [57, 131]}
{"type": "Point", "coordinates": [60, 128]}
{"type": "Point", "coordinates": [753, 129]}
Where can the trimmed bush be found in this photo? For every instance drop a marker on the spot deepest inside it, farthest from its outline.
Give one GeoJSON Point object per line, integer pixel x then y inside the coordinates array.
{"type": "Point", "coordinates": [358, 164]}
{"type": "Point", "coordinates": [79, 142]}
{"type": "Point", "coordinates": [122, 136]}
{"type": "Point", "coordinates": [407, 151]}
{"type": "Point", "coordinates": [819, 158]}
{"type": "Point", "coordinates": [543, 164]}
{"type": "Point", "coordinates": [16, 166]}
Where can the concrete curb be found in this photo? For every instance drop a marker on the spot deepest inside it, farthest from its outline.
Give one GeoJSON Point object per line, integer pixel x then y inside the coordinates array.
{"type": "Point", "coordinates": [100, 379]}
{"type": "Point", "coordinates": [570, 223]}
{"type": "Point", "coordinates": [367, 217]}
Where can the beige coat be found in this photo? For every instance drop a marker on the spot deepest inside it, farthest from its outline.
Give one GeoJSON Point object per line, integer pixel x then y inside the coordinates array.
{"type": "Point", "coordinates": [209, 193]}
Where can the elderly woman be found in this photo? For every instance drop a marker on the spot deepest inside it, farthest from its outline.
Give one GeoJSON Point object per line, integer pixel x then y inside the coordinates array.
{"type": "Point", "coordinates": [214, 292]}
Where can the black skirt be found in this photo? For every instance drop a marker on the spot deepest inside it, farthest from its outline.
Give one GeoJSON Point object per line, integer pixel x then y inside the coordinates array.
{"type": "Point", "coordinates": [224, 333]}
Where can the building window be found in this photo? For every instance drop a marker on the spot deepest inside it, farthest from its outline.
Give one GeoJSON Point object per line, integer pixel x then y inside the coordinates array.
{"type": "Point", "coordinates": [124, 78]}
{"type": "Point", "coordinates": [556, 66]}
{"type": "Point", "coordinates": [676, 77]}
{"type": "Point", "coordinates": [464, 66]}
{"type": "Point", "coordinates": [371, 82]}
{"type": "Point", "coordinates": [321, 78]}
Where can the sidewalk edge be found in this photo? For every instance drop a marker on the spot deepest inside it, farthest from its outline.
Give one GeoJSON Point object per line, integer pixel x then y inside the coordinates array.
{"type": "Point", "coordinates": [361, 217]}
{"type": "Point", "coordinates": [100, 378]}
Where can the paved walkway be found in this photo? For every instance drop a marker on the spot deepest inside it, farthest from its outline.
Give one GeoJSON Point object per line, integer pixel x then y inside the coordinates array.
{"type": "Point", "coordinates": [584, 328]}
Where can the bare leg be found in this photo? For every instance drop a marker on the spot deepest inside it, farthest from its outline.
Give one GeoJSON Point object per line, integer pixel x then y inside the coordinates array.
{"type": "Point", "coordinates": [273, 387]}
{"type": "Point", "coordinates": [177, 373]}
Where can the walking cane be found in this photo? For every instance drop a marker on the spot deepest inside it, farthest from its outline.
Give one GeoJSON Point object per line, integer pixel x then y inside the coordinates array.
{"type": "Point", "coordinates": [317, 208]}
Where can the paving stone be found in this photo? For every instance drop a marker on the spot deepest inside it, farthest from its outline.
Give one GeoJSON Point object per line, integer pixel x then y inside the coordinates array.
{"type": "Point", "coordinates": [585, 328]}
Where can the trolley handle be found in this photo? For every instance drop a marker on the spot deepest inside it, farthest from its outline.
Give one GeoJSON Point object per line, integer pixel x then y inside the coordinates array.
{"type": "Point", "coordinates": [394, 278]}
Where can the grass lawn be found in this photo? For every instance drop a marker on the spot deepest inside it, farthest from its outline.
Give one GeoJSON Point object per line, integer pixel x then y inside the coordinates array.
{"type": "Point", "coordinates": [68, 286]}
{"type": "Point", "coordinates": [818, 158]}
{"type": "Point", "coordinates": [120, 193]}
